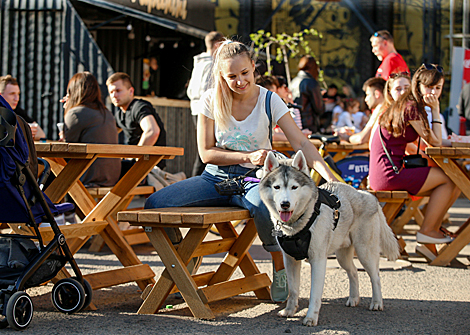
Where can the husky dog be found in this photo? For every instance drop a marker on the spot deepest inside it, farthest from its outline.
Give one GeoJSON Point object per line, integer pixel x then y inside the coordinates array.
{"type": "Point", "coordinates": [357, 224]}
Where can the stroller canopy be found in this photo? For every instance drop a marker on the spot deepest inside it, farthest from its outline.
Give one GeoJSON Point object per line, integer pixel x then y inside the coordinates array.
{"type": "Point", "coordinates": [12, 207]}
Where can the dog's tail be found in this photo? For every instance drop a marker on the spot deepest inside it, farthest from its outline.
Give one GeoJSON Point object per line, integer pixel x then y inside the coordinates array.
{"type": "Point", "coordinates": [388, 241]}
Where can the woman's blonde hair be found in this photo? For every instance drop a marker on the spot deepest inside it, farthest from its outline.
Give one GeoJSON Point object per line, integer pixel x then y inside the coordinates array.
{"type": "Point", "coordinates": [393, 118]}
{"type": "Point", "coordinates": [222, 99]}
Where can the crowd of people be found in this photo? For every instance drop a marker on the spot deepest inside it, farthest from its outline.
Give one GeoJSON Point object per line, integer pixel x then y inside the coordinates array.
{"type": "Point", "coordinates": [228, 104]}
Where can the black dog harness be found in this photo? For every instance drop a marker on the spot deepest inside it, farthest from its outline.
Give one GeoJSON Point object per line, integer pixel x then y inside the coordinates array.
{"type": "Point", "coordinates": [297, 245]}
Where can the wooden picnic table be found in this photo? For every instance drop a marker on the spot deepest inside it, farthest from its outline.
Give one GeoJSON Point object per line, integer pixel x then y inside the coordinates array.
{"type": "Point", "coordinates": [342, 150]}
{"type": "Point", "coordinates": [446, 158]}
{"type": "Point", "coordinates": [79, 157]}
{"type": "Point", "coordinates": [198, 290]}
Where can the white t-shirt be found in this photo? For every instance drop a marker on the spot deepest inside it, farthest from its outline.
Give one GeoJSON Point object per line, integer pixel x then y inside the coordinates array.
{"type": "Point", "coordinates": [346, 119]}
{"type": "Point", "coordinates": [357, 119]}
{"type": "Point", "coordinates": [337, 111]}
{"type": "Point", "coordinates": [251, 133]}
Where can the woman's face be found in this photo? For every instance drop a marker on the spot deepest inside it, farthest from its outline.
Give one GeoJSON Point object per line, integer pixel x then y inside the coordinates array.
{"type": "Point", "coordinates": [433, 89]}
{"type": "Point", "coordinates": [283, 92]}
{"type": "Point", "coordinates": [353, 109]}
{"type": "Point", "coordinates": [398, 87]}
{"type": "Point", "coordinates": [238, 73]}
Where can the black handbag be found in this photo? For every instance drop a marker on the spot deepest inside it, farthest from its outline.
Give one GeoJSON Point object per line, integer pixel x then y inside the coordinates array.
{"type": "Point", "coordinates": [414, 161]}
{"type": "Point", "coordinates": [409, 161]}
{"type": "Point", "coordinates": [233, 186]}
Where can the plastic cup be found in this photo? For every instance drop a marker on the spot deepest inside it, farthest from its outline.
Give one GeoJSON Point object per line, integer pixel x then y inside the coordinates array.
{"type": "Point", "coordinates": [350, 130]}
{"type": "Point", "coordinates": [60, 126]}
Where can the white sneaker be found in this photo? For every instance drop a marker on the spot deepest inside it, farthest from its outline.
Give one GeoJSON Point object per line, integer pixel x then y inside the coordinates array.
{"type": "Point", "coordinates": [279, 288]}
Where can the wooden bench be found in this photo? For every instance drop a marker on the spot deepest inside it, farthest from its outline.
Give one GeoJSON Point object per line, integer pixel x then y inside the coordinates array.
{"type": "Point", "coordinates": [132, 236]}
{"type": "Point", "coordinates": [69, 231]}
{"type": "Point", "coordinates": [200, 289]}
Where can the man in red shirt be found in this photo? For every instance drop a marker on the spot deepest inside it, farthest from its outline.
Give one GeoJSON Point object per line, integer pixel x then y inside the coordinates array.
{"type": "Point", "coordinates": [384, 49]}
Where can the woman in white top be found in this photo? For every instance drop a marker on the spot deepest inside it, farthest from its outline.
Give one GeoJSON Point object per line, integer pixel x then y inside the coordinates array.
{"type": "Point", "coordinates": [233, 137]}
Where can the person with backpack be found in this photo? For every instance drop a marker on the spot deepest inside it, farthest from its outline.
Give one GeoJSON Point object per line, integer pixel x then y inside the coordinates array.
{"type": "Point", "coordinates": [233, 138]}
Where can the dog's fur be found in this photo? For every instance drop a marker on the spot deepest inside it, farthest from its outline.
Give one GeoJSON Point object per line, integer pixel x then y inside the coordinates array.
{"type": "Point", "coordinates": [290, 194]}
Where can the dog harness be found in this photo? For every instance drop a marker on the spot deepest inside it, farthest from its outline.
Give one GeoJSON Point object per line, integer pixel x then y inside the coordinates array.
{"type": "Point", "coordinates": [297, 245]}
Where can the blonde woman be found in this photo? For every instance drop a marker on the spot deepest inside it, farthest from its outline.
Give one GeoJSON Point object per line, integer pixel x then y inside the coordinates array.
{"type": "Point", "coordinates": [233, 138]}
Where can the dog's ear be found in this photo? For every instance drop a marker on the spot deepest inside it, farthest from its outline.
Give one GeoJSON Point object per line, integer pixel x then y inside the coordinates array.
{"type": "Point", "coordinates": [299, 162]}
{"type": "Point", "coordinates": [270, 163]}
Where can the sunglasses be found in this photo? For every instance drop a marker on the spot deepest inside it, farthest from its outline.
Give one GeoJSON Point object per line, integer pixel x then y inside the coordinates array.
{"type": "Point", "coordinates": [433, 67]}
{"type": "Point", "coordinates": [402, 74]}
{"type": "Point", "coordinates": [377, 34]}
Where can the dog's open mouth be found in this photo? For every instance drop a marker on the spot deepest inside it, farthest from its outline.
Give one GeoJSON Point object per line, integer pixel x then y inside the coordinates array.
{"type": "Point", "coordinates": [285, 215]}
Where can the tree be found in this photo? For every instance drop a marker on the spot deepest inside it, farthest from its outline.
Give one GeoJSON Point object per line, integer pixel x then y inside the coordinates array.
{"type": "Point", "coordinates": [286, 46]}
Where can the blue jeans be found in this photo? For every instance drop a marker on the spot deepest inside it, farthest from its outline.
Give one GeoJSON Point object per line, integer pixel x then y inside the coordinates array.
{"type": "Point", "coordinates": [199, 191]}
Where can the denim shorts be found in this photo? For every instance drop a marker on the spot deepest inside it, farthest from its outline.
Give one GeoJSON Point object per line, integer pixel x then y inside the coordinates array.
{"type": "Point", "coordinates": [199, 191]}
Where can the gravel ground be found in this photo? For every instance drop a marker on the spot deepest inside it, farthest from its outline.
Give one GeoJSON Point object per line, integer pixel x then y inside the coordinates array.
{"type": "Point", "coordinates": [418, 299]}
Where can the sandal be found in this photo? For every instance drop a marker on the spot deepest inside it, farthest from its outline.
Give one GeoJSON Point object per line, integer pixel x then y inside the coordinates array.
{"type": "Point", "coordinates": [448, 232]}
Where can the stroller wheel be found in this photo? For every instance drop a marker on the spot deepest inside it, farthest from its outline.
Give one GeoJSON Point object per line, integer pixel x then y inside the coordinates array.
{"type": "Point", "coordinates": [19, 311]}
{"type": "Point", "coordinates": [88, 293]}
{"type": "Point", "coordinates": [68, 296]}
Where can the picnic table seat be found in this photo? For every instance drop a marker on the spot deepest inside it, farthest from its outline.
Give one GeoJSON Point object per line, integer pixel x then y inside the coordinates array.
{"type": "Point", "coordinates": [69, 231]}
{"type": "Point", "coordinates": [200, 289]}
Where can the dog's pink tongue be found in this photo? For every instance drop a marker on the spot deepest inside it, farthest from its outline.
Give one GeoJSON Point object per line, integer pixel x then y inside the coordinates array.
{"type": "Point", "coordinates": [285, 216]}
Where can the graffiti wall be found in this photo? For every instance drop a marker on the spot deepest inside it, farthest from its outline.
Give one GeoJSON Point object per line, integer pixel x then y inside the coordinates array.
{"type": "Point", "coordinates": [227, 16]}
{"type": "Point", "coordinates": [420, 29]}
{"type": "Point", "coordinates": [337, 50]}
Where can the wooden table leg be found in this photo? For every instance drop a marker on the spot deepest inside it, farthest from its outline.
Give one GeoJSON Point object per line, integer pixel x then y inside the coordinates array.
{"type": "Point", "coordinates": [455, 172]}
{"type": "Point", "coordinates": [458, 176]}
{"type": "Point", "coordinates": [452, 250]}
{"type": "Point", "coordinates": [112, 234]}
{"type": "Point", "coordinates": [176, 273]}
{"type": "Point", "coordinates": [98, 242]}
{"type": "Point", "coordinates": [239, 256]}
{"type": "Point", "coordinates": [67, 174]}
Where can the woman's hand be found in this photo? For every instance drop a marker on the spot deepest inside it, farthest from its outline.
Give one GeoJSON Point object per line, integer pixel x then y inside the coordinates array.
{"type": "Point", "coordinates": [431, 100]}
{"type": "Point", "coordinates": [257, 157]}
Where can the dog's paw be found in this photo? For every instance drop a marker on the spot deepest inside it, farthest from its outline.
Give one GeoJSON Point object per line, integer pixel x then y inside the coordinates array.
{"type": "Point", "coordinates": [353, 302]}
{"type": "Point", "coordinates": [287, 313]}
{"type": "Point", "coordinates": [376, 306]}
{"type": "Point", "coordinates": [310, 322]}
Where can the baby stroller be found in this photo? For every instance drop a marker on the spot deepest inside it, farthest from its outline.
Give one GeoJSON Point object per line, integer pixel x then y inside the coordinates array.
{"type": "Point", "coordinates": [25, 263]}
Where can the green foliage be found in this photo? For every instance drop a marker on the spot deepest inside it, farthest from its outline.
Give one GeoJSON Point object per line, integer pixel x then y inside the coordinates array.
{"type": "Point", "coordinates": [285, 45]}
